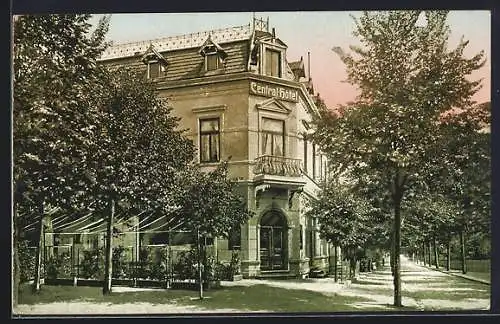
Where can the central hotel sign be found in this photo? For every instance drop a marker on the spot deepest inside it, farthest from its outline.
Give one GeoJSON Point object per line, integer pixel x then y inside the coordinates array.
{"type": "Point", "coordinates": [274, 91]}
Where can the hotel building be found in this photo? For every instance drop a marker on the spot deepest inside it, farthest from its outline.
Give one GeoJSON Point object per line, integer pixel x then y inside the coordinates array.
{"type": "Point", "coordinates": [239, 96]}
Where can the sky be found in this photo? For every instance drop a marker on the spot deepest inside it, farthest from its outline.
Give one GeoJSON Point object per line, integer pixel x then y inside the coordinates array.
{"type": "Point", "coordinates": [303, 32]}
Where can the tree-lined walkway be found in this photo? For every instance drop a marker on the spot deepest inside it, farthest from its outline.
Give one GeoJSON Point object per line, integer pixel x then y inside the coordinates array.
{"type": "Point", "coordinates": [482, 277]}
{"type": "Point", "coordinates": [423, 289]}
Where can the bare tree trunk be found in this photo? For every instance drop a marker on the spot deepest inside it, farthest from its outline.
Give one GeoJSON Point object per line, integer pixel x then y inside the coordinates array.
{"type": "Point", "coordinates": [423, 252]}
{"type": "Point", "coordinates": [397, 247]}
{"type": "Point", "coordinates": [108, 267]}
{"type": "Point", "coordinates": [448, 256]}
{"type": "Point", "coordinates": [429, 252]}
{"type": "Point", "coordinates": [39, 251]}
{"type": "Point", "coordinates": [391, 254]}
{"type": "Point", "coordinates": [335, 265]}
{"type": "Point", "coordinates": [15, 251]}
{"type": "Point", "coordinates": [352, 271]}
{"type": "Point", "coordinates": [462, 249]}
{"type": "Point", "coordinates": [200, 273]}
{"type": "Point", "coordinates": [436, 254]}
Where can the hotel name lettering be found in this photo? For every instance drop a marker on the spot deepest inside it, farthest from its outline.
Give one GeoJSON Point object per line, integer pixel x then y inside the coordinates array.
{"type": "Point", "coordinates": [274, 91]}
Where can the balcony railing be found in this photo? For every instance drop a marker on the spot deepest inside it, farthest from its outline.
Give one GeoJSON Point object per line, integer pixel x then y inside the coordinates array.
{"type": "Point", "coordinates": [278, 165]}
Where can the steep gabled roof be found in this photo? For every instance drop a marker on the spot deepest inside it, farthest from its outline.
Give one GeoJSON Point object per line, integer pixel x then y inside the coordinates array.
{"type": "Point", "coordinates": [153, 53]}
{"type": "Point", "coordinates": [298, 68]}
{"type": "Point", "coordinates": [173, 43]}
{"type": "Point", "coordinates": [210, 46]}
{"type": "Point", "coordinates": [185, 54]}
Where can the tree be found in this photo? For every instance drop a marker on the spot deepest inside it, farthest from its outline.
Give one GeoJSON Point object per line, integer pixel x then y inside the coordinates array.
{"type": "Point", "coordinates": [139, 151]}
{"type": "Point", "coordinates": [54, 66]}
{"type": "Point", "coordinates": [344, 219]}
{"type": "Point", "coordinates": [464, 174]}
{"type": "Point", "coordinates": [432, 220]}
{"type": "Point", "coordinates": [212, 207]}
{"type": "Point", "coordinates": [407, 77]}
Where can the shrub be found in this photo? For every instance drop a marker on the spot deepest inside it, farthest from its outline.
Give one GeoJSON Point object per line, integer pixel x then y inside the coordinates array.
{"type": "Point", "coordinates": [223, 271]}
{"type": "Point", "coordinates": [92, 265]}
{"type": "Point", "coordinates": [186, 266]}
{"type": "Point", "coordinates": [119, 262]}
{"type": "Point", "coordinates": [158, 270]}
{"type": "Point", "coordinates": [59, 266]}
{"type": "Point", "coordinates": [235, 265]}
{"type": "Point", "coordinates": [27, 261]}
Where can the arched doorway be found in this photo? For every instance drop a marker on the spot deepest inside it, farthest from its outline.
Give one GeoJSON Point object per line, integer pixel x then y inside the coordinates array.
{"type": "Point", "coordinates": [273, 241]}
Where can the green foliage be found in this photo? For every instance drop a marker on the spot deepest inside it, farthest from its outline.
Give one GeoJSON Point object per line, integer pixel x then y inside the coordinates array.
{"type": "Point", "coordinates": [53, 108]}
{"type": "Point", "coordinates": [342, 215]}
{"type": "Point", "coordinates": [235, 265]}
{"type": "Point", "coordinates": [407, 77]}
{"type": "Point", "coordinates": [27, 257]}
{"type": "Point", "coordinates": [211, 202]}
{"type": "Point", "coordinates": [159, 267]}
{"type": "Point", "coordinates": [186, 265]}
{"type": "Point", "coordinates": [92, 265]}
{"type": "Point", "coordinates": [59, 266]}
{"type": "Point", "coordinates": [139, 148]}
{"type": "Point", "coordinates": [120, 265]}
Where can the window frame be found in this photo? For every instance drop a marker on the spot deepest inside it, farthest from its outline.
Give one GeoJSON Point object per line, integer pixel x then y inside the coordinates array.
{"type": "Point", "coordinates": [160, 71]}
{"type": "Point", "coordinates": [272, 133]}
{"type": "Point", "coordinates": [210, 134]}
{"type": "Point", "coordinates": [268, 62]}
{"type": "Point", "coordinates": [305, 155]}
{"type": "Point", "coordinates": [314, 161]}
{"type": "Point", "coordinates": [217, 61]}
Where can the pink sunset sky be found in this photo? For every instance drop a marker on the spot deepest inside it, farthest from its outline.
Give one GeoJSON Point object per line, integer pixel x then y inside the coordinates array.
{"type": "Point", "coordinates": [305, 31]}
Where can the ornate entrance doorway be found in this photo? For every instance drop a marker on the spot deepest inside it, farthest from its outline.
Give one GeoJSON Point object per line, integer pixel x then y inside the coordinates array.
{"type": "Point", "coordinates": [273, 241]}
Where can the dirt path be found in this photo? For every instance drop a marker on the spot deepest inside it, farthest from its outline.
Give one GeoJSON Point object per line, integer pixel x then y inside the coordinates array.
{"type": "Point", "coordinates": [378, 287]}
{"type": "Point", "coordinates": [88, 308]}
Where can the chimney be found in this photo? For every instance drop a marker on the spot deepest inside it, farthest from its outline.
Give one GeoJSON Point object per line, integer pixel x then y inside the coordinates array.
{"type": "Point", "coordinates": [309, 65]}
{"type": "Point", "coordinates": [274, 33]}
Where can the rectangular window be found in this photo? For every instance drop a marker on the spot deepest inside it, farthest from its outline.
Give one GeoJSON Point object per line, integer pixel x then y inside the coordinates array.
{"type": "Point", "coordinates": [314, 160]}
{"type": "Point", "coordinates": [305, 155]}
{"type": "Point", "coordinates": [320, 166]}
{"type": "Point", "coordinates": [212, 62]}
{"type": "Point", "coordinates": [301, 237]}
{"type": "Point", "coordinates": [209, 140]}
{"type": "Point", "coordinates": [154, 70]}
{"type": "Point", "coordinates": [234, 240]}
{"type": "Point", "coordinates": [273, 139]}
{"type": "Point", "coordinates": [273, 63]}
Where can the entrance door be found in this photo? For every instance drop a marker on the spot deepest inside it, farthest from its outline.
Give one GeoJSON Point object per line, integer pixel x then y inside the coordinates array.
{"type": "Point", "coordinates": [272, 241]}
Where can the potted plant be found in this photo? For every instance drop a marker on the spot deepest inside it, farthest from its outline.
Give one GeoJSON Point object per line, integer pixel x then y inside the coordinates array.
{"type": "Point", "coordinates": [235, 267]}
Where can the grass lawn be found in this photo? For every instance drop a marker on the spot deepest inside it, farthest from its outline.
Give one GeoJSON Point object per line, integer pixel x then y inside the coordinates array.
{"type": "Point", "coordinates": [252, 298]}
{"type": "Point", "coordinates": [474, 290]}
{"type": "Point", "coordinates": [480, 275]}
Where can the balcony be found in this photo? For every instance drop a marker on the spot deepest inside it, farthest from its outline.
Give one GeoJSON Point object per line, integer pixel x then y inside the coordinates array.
{"type": "Point", "coordinates": [278, 166]}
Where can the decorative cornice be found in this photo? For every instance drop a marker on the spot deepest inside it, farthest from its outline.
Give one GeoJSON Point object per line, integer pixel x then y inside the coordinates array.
{"type": "Point", "coordinates": [200, 110]}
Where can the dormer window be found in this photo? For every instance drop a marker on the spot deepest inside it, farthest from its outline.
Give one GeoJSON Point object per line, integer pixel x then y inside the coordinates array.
{"type": "Point", "coordinates": [155, 62]}
{"type": "Point", "coordinates": [155, 69]}
{"type": "Point", "coordinates": [273, 63]}
{"type": "Point", "coordinates": [214, 55]}
{"type": "Point", "coordinates": [212, 62]}
{"type": "Point", "coordinates": [271, 57]}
